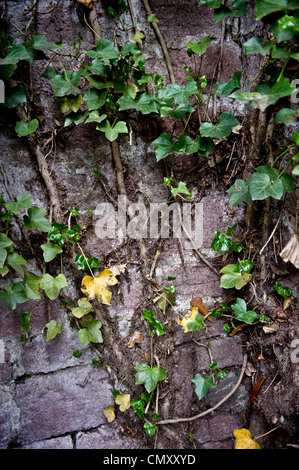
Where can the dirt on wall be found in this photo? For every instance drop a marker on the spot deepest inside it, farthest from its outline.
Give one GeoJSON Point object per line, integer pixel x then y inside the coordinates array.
{"type": "Point", "coordinates": [50, 399]}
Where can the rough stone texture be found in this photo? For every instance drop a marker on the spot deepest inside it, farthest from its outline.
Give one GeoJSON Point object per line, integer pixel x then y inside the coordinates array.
{"type": "Point", "coordinates": [65, 401]}
{"type": "Point", "coordinates": [48, 398]}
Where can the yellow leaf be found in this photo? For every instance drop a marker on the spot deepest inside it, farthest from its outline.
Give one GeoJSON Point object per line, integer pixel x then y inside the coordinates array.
{"type": "Point", "coordinates": [109, 413]}
{"type": "Point", "coordinates": [189, 317]}
{"type": "Point", "coordinates": [97, 286]}
{"type": "Point", "coordinates": [84, 308]}
{"type": "Point", "coordinates": [244, 440]}
{"type": "Point", "coordinates": [123, 401]}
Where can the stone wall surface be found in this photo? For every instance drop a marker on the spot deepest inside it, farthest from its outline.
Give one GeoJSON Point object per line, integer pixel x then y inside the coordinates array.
{"type": "Point", "coordinates": [48, 398]}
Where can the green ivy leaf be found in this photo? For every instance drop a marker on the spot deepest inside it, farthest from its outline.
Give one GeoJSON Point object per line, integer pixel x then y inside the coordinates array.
{"type": "Point", "coordinates": [199, 49]}
{"type": "Point", "coordinates": [82, 264]}
{"type": "Point", "coordinates": [40, 43]}
{"type": "Point", "coordinates": [50, 250]}
{"type": "Point", "coordinates": [91, 333]}
{"type": "Point", "coordinates": [196, 325]}
{"type": "Point", "coordinates": [71, 102]}
{"type": "Point", "coordinates": [239, 193]}
{"type": "Point", "coordinates": [23, 202]}
{"type": "Point", "coordinates": [222, 130]}
{"type": "Point", "coordinates": [202, 385]}
{"type": "Point", "coordinates": [179, 93]}
{"type": "Point", "coordinates": [262, 186]}
{"type": "Point", "coordinates": [52, 286]}
{"type": "Point", "coordinates": [236, 275]}
{"type": "Point", "coordinates": [66, 83]}
{"type": "Point", "coordinates": [181, 189]}
{"type": "Point", "coordinates": [227, 88]}
{"type": "Point", "coordinates": [210, 3]}
{"type": "Point", "coordinates": [25, 317]}
{"type": "Point", "coordinates": [285, 292]}
{"type": "Point", "coordinates": [241, 312]}
{"type": "Point", "coordinates": [149, 428]}
{"type": "Point", "coordinates": [285, 28]}
{"type": "Point", "coordinates": [15, 261]}
{"type": "Point", "coordinates": [152, 18]}
{"type": "Point", "coordinates": [84, 308]}
{"type": "Point", "coordinates": [32, 285]}
{"type": "Point", "coordinates": [105, 50]}
{"type": "Point", "coordinates": [24, 128]}
{"type": "Point", "coordinates": [111, 133]}
{"type": "Point", "coordinates": [14, 295]}
{"type": "Point", "coordinates": [98, 67]}
{"type": "Point", "coordinates": [153, 323]}
{"type": "Point", "coordinates": [53, 329]}
{"type": "Point", "coordinates": [165, 146]}
{"type": "Point", "coordinates": [146, 104]}
{"type": "Point", "coordinates": [221, 242]}
{"type": "Point", "coordinates": [93, 100]}
{"type": "Point", "coordinates": [178, 112]}
{"type": "Point", "coordinates": [15, 96]}
{"type": "Point", "coordinates": [149, 376]}
{"type": "Point", "coordinates": [36, 220]}
{"type": "Point", "coordinates": [16, 53]}
{"type": "Point", "coordinates": [254, 46]}
{"type": "Point", "coordinates": [286, 116]}
{"type": "Point", "coordinates": [261, 100]}
{"type": "Point", "coordinates": [266, 7]}
{"type": "Point", "coordinates": [238, 9]}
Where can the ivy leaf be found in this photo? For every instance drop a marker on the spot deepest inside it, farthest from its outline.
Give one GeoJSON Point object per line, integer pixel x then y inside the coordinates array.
{"type": "Point", "coordinates": [149, 376]}
{"type": "Point", "coordinates": [71, 102]}
{"type": "Point", "coordinates": [286, 116]}
{"type": "Point", "coordinates": [82, 264]}
{"type": "Point", "coordinates": [262, 186]}
{"type": "Point", "coordinates": [181, 189]}
{"type": "Point", "coordinates": [23, 202]}
{"type": "Point", "coordinates": [238, 9]}
{"type": "Point", "coordinates": [105, 50]}
{"type": "Point", "coordinates": [41, 43]}
{"type": "Point", "coordinates": [244, 440]}
{"type": "Point", "coordinates": [138, 37]}
{"type": "Point", "coordinates": [15, 96]}
{"type": "Point", "coordinates": [285, 292]}
{"type": "Point", "coordinates": [210, 3]}
{"type": "Point", "coordinates": [15, 261]}
{"type": "Point", "coordinates": [145, 104]}
{"type": "Point", "coordinates": [50, 250]}
{"type": "Point", "coordinates": [178, 112]}
{"type": "Point", "coordinates": [92, 333]}
{"type": "Point", "coordinates": [152, 18]}
{"type": "Point", "coordinates": [227, 88]}
{"type": "Point", "coordinates": [241, 312]}
{"type": "Point", "coordinates": [123, 401]}
{"type": "Point", "coordinates": [221, 242]}
{"type": "Point", "coordinates": [239, 193]}
{"type": "Point", "coordinates": [84, 308]}
{"type": "Point", "coordinates": [236, 275]}
{"type": "Point", "coordinates": [75, 118]}
{"type": "Point", "coordinates": [254, 46]}
{"type": "Point", "coordinates": [266, 7]}
{"type": "Point", "coordinates": [222, 130]}
{"type": "Point", "coordinates": [52, 286]}
{"type": "Point", "coordinates": [5, 242]}
{"type": "Point", "coordinates": [200, 48]}
{"type": "Point", "coordinates": [198, 324]}
{"type": "Point", "coordinates": [261, 100]}
{"type": "Point", "coordinates": [179, 93]}
{"type": "Point", "coordinates": [285, 28]}
{"type": "Point", "coordinates": [98, 67]}
{"type": "Point", "coordinates": [111, 133]}
{"type": "Point", "coordinates": [149, 428]}
{"type": "Point", "coordinates": [66, 83]}
{"type": "Point", "coordinates": [23, 129]}
{"type": "Point", "coordinates": [192, 316]}
{"type": "Point", "coordinates": [93, 100]}
{"type": "Point", "coordinates": [97, 286]}
{"type": "Point", "coordinates": [109, 413]}
{"type": "Point", "coordinates": [16, 53]}
{"type": "Point", "coordinates": [14, 295]}
{"type": "Point", "coordinates": [202, 385]}
{"type": "Point", "coordinates": [32, 285]}
{"type": "Point", "coordinates": [153, 323]}
{"type": "Point", "coordinates": [36, 220]}
{"type": "Point", "coordinates": [165, 146]}
{"type": "Point", "coordinates": [53, 329]}
{"type": "Point", "coordinates": [95, 117]}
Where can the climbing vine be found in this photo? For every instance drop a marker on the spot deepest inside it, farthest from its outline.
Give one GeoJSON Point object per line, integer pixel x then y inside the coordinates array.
{"type": "Point", "coordinates": [110, 86]}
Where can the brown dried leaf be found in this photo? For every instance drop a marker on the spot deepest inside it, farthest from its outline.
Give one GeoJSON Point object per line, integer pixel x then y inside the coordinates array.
{"type": "Point", "coordinates": [256, 388]}
{"type": "Point", "coordinates": [198, 303]}
{"type": "Point", "coordinates": [271, 329]}
{"type": "Point", "coordinates": [118, 269]}
{"type": "Point", "coordinates": [291, 251]}
{"type": "Point", "coordinates": [137, 337]}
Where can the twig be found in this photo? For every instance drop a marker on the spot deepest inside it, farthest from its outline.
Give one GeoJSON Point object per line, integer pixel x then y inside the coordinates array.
{"type": "Point", "coordinates": [272, 233]}
{"type": "Point", "coordinates": [204, 413]}
{"type": "Point", "coordinates": [162, 42]}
